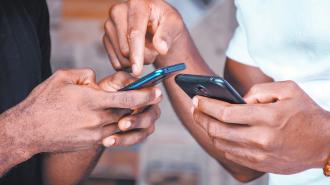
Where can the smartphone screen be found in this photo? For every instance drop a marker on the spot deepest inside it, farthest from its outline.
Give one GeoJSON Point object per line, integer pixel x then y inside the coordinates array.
{"type": "Point", "coordinates": [155, 77]}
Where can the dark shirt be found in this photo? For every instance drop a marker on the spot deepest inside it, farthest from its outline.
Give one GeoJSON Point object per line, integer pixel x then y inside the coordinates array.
{"type": "Point", "coordinates": [24, 63]}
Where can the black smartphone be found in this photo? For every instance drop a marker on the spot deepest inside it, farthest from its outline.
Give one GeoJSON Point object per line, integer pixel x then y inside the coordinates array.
{"type": "Point", "coordinates": [208, 86]}
{"type": "Point", "coordinates": [155, 77]}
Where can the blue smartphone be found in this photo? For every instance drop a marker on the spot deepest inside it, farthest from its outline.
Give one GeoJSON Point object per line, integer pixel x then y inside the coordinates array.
{"type": "Point", "coordinates": [155, 77]}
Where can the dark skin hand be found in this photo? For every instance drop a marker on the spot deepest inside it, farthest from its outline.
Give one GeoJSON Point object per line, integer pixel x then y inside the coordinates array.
{"type": "Point", "coordinates": [155, 32]}
{"type": "Point", "coordinates": [71, 112]}
{"type": "Point", "coordinates": [71, 168]}
{"type": "Point", "coordinates": [280, 129]}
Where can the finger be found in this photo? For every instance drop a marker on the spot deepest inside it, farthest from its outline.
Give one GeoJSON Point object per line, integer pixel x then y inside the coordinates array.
{"type": "Point", "coordinates": [116, 82]}
{"type": "Point", "coordinates": [128, 99]}
{"type": "Point", "coordinates": [118, 14]}
{"type": "Point", "coordinates": [219, 130]}
{"type": "Point", "coordinates": [128, 138]}
{"type": "Point", "coordinates": [111, 53]}
{"type": "Point", "coordinates": [165, 34]}
{"type": "Point", "coordinates": [76, 76]}
{"type": "Point", "coordinates": [142, 120]}
{"type": "Point", "coordinates": [113, 115]}
{"type": "Point", "coordinates": [245, 114]}
{"type": "Point", "coordinates": [110, 130]}
{"type": "Point", "coordinates": [150, 56]}
{"type": "Point", "coordinates": [271, 92]}
{"type": "Point", "coordinates": [138, 18]}
{"type": "Point", "coordinates": [150, 53]}
{"type": "Point", "coordinates": [111, 33]}
{"type": "Point", "coordinates": [108, 117]}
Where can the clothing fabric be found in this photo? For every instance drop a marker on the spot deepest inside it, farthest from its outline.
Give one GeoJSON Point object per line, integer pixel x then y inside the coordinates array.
{"type": "Point", "coordinates": [287, 40]}
{"type": "Point", "coordinates": [24, 63]}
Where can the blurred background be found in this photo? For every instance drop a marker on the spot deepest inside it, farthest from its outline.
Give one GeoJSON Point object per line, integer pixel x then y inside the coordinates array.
{"type": "Point", "coordinates": [170, 156]}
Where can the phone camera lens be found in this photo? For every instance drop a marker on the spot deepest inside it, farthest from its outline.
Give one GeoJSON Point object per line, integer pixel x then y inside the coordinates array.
{"type": "Point", "coordinates": [201, 90]}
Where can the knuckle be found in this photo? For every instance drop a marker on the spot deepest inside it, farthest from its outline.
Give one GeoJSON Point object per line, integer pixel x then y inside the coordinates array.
{"type": "Point", "coordinates": [96, 120]}
{"type": "Point", "coordinates": [266, 142]}
{"type": "Point", "coordinates": [255, 89]}
{"type": "Point", "coordinates": [89, 72]}
{"type": "Point", "coordinates": [134, 33]}
{"type": "Point", "coordinates": [144, 98]}
{"type": "Point", "coordinates": [227, 155]}
{"type": "Point", "coordinates": [291, 85]}
{"type": "Point", "coordinates": [260, 158]}
{"type": "Point", "coordinates": [108, 25]}
{"type": "Point", "coordinates": [136, 11]}
{"type": "Point", "coordinates": [96, 136]}
{"type": "Point", "coordinates": [60, 74]}
{"type": "Point", "coordinates": [124, 48]}
{"type": "Point", "coordinates": [125, 100]}
{"type": "Point", "coordinates": [213, 129]}
{"type": "Point", "coordinates": [116, 10]}
{"type": "Point", "coordinates": [225, 114]}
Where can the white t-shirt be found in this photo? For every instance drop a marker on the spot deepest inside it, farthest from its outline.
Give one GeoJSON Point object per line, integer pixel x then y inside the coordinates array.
{"type": "Point", "coordinates": [288, 40]}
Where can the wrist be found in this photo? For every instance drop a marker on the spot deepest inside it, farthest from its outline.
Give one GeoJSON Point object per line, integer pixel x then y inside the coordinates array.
{"type": "Point", "coordinates": [18, 135]}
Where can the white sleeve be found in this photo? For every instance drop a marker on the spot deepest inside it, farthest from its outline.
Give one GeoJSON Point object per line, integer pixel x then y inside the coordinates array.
{"type": "Point", "coordinates": [238, 48]}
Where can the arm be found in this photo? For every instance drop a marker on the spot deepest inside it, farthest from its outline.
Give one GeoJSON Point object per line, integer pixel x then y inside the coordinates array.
{"type": "Point", "coordinates": [69, 168]}
{"type": "Point", "coordinates": [242, 77]}
{"type": "Point", "coordinates": [15, 145]}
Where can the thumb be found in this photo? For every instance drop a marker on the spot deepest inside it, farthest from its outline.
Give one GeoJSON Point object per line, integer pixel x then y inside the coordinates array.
{"type": "Point", "coordinates": [267, 93]}
{"type": "Point", "coordinates": [116, 81]}
{"type": "Point", "coordinates": [166, 34]}
{"type": "Point", "coordinates": [85, 77]}
{"type": "Point", "coordinates": [160, 44]}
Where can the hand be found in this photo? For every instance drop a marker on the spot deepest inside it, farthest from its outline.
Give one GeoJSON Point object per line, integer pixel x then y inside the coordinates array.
{"type": "Point", "coordinates": [138, 31]}
{"type": "Point", "coordinates": [69, 112]}
{"type": "Point", "coordinates": [134, 127]}
{"type": "Point", "coordinates": [281, 130]}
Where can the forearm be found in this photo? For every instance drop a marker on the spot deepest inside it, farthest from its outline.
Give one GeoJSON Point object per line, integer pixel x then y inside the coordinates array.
{"type": "Point", "coordinates": [183, 105]}
{"type": "Point", "coordinates": [15, 143]}
{"type": "Point", "coordinates": [69, 168]}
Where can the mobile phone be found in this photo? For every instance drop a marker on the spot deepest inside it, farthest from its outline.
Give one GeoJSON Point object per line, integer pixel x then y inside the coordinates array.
{"type": "Point", "coordinates": [155, 77]}
{"type": "Point", "coordinates": [208, 86]}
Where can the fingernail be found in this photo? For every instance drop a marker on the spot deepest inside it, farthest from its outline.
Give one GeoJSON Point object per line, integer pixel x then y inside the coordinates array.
{"type": "Point", "coordinates": [110, 141]}
{"type": "Point", "coordinates": [135, 69]}
{"type": "Point", "coordinates": [163, 46]}
{"type": "Point", "coordinates": [158, 93]}
{"type": "Point", "coordinates": [195, 102]}
{"type": "Point", "coordinates": [127, 124]}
